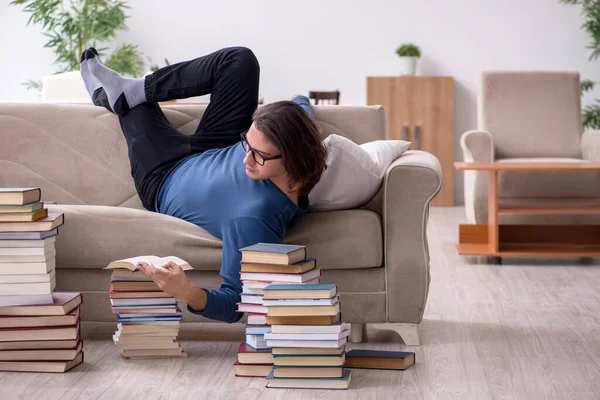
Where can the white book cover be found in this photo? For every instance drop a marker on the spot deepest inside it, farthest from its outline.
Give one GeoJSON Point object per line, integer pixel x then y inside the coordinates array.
{"type": "Point", "coordinates": [307, 336]}
{"type": "Point", "coordinates": [257, 319]}
{"type": "Point", "coordinates": [336, 328]}
{"type": "Point", "coordinates": [26, 300]}
{"type": "Point", "coordinates": [29, 258]}
{"type": "Point", "coordinates": [257, 342]}
{"type": "Point", "coordinates": [300, 302]}
{"type": "Point", "coordinates": [250, 290]}
{"type": "Point", "coordinates": [252, 299]}
{"type": "Point", "coordinates": [10, 289]}
{"type": "Point", "coordinates": [327, 344]}
{"type": "Point", "coordinates": [28, 243]}
{"type": "Point", "coordinates": [26, 251]}
{"type": "Point", "coordinates": [253, 308]}
{"type": "Point", "coordinates": [16, 268]}
{"type": "Point", "coordinates": [29, 278]}
{"type": "Point", "coordinates": [258, 330]}
{"type": "Point", "coordinates": [143, 302]}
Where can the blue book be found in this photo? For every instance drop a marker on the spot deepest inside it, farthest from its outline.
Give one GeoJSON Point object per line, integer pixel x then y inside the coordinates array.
{"type": "Point", "coordinates": [310, 383]}
{"type": "Point", "coordinates": [272, 253]}
{"type": "Point", "coordinates": [379, 359]}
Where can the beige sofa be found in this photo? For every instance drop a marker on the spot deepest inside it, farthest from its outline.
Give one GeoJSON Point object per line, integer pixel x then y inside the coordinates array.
{"type": "Point", "coordinates": [377, 255]}
{"type": "Point", "coordinates": [530, 116]}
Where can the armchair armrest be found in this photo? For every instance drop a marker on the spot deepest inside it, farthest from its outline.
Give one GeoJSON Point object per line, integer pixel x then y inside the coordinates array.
{"type": "Point", "coordinates": [590, 145]}
{"type": "Point", "coordinates": [477, 146]}
{"type": "Point", "coordinates": [410, 183]}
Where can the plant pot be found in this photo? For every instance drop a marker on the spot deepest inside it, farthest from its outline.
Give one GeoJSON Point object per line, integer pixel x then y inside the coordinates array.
{"type": "Point", "coordinates": [67, 87]}
{"type": "Point", "coordinates": [408, 65]}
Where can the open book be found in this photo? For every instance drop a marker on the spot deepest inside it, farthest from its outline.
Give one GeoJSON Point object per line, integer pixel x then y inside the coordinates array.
{"type": "Point", "coordinates": [133, 263]}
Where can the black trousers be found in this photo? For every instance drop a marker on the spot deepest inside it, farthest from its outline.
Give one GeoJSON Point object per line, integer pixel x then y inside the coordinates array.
{"type": "Point", "coordinates": [230, 75]}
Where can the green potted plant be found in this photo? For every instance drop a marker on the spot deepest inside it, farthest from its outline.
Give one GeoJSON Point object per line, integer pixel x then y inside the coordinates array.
{"type": "Point", "coordinates": [72, 27]}
{"type": "Point", "coordinates": [409, 54]}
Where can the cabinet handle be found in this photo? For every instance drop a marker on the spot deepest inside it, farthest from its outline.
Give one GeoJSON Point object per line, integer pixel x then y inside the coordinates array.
{"type": "Point", "coordinates": [417, 132]}
{"type": "Point", "coordinates": [404, 132]}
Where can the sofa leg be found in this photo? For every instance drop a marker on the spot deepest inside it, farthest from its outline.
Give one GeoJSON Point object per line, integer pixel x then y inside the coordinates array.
{"type": "Point", "coordinates": [356, 333]}
{"type": "Point", "coordinates": [408, 332]}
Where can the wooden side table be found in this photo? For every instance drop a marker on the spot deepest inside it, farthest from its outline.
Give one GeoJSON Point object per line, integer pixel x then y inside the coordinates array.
{"type": "Point", "coordinates": [562, 240]}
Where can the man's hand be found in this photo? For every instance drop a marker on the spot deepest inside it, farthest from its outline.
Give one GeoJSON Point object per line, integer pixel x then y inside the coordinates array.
{"type": "Point", "coordinates": [172, 280]}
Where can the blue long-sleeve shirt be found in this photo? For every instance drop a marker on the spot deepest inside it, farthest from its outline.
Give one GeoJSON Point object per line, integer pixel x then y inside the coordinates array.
{"type": "Point", "coordinates": [212, 190]}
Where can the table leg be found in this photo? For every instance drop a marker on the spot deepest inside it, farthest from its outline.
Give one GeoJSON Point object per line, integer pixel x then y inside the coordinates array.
{"type": "Point", "coordinates": [493, 211]}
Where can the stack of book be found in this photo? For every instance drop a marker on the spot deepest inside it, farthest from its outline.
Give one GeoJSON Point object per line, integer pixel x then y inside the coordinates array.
{"type": "Point", "coordinates": [307, 337]}
{"type": "Point", "coordinates": [148, 318]}
{"type": "Point", "coordinates": [27, 248]}
{"type": "Point", "coordinates": [41, 338]}
{"type": "Point", "coordinates": [263, 264]}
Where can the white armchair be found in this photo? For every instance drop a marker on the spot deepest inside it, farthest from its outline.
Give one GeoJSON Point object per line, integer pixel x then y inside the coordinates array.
{"type": "Point", "coordinates": [530, 116]}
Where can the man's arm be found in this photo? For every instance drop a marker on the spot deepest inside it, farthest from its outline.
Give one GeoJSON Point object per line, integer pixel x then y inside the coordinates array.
{"type": "Point", "coordinates": [221, 304]}
{"type": "Point", "coordinates": [304, 102]}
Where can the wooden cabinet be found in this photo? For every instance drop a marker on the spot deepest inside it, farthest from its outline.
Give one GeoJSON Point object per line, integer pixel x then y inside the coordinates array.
{"type": "Point", "coordinates": [420, 109]}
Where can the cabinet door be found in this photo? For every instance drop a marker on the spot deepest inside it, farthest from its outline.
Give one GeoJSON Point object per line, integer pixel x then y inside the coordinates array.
{"type": "Point", "coordinates": [423, 105]}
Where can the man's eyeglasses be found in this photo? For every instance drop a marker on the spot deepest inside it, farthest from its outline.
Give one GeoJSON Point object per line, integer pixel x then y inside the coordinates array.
{"type": "Point", "coordinates": [260, 159]}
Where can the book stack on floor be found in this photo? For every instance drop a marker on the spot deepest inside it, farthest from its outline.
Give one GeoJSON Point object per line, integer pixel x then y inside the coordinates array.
{"type": "Point", "coordinates": [27, 248]}
{"type": "Point", "coordinates": [263, 264]}
{"type": "Point", "coordinates": [148, 318]}
{"type": "Point", "coordinates": [39, 330]}
{"type": "Point", "coordinates": [307, 337]}
{"type": "Point", "coordinates": [41, 338]}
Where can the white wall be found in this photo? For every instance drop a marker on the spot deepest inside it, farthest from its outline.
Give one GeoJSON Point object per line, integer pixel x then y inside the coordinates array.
{"type": "Point", "coordinates": [327, 45]}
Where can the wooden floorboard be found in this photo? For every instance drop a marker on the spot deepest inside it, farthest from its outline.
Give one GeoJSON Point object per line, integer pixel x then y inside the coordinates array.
{"type": "Point", "coordinates": [527, 329]}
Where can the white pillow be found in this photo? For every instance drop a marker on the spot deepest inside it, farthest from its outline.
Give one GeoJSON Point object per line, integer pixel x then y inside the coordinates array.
{"type": "Point", "coordinates": [354, 173]}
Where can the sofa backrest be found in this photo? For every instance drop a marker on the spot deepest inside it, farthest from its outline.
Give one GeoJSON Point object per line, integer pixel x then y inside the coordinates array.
{"type": "Point", "coordinates": [531, 113]}
{"type": "Point", "coordinates": [77, 153]}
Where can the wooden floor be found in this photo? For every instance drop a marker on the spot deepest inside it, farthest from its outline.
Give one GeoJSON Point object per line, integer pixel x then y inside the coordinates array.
{"type": "Point", "coordinates": [528, 329]}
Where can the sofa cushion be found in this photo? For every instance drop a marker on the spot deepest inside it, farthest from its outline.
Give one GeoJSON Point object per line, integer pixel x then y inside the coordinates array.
{"type": "Point", "coordinates": [93, 236]}
{"type": "Point", "coordinates": [354, 172]}
{"type": "Point", "coordinates": [548, 184]}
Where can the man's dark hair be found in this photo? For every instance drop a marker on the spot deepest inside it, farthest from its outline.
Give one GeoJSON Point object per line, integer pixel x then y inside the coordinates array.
{"type": "Point", "coordinates": [295, 134]}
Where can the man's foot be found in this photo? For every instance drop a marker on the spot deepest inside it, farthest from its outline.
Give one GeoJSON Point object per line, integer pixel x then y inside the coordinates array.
{"type": "Point", "coordinates": [123, 93]}
{"type": "Point", "coordinates": [92, 84]}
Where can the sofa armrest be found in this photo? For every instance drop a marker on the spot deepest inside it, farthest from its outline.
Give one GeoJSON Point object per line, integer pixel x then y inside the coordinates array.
{"type": "Point", "coordinates": [477, 146]}
{"type": "Point", "coordinates": [590, 145]}
{"type": "Point", "coordinates": [410, 183]}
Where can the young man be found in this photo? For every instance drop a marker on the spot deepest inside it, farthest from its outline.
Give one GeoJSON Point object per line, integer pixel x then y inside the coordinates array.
{"type": "Point", "coordinates": [243, 175]}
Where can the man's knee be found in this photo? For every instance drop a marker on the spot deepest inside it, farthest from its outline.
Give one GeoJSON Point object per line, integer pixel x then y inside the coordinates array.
{"type": "Point", "coordinates": [245, 58]}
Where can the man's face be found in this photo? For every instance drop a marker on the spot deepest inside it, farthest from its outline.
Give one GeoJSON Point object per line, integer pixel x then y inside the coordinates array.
{"type": "Point", "coordinates": [262, 146]}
